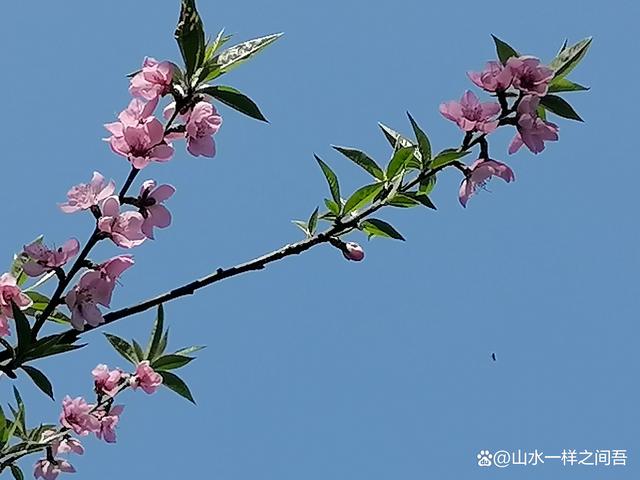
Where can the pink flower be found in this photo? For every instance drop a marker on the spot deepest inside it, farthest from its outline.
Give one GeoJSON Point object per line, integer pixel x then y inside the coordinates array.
{"type": "Point", "coordinates": [480, 173]}
{"type": "Point", "coordinates": [95, 287]}
{"type": "Point", "coordinates": [532, 130]}
{"type": "Point", "coordinates": [68, 445]}
{"type": "Point", "coordinates": [110, 271]}
{"type": "Point", "coordinates": [83, 196]}
{"type": "Point", "coordinates": [82, 302]}
{"type": "Point", "coordinates": [48, 470]}
{"type": "Point", "coordinates": [203, 122]}
{"type": "Point", "coordinates": [108, 424]}
{"type": "Point", "coordinates": [154, 80]}
{"type": "Point", "coordinates": [470, 114]}
{"type": "Point", "coordinates": [146, 378]}
{"type": "Point", "coordinates": [138, 135]}
{"type": "Point", "coordinates": [493, 78]}
{"type": "Point", "coordinates": [76, 415]}
{"type": "Point", "coordinates": [123, 228]}
{"type": "Point", "coordinates": [529, 76]}
{"type": "Point", "coordinates": [106, 381]}
{"type": "Point", "coordinates": [353, 251]}
{"type": "Point", "coordinates": [42, 259]}
{"type": "Point", "coordinates": [155, 214]}
{"type": "Point", "coordinates": [10, 292]}
{"type": "Point", "coordinates": [64, 444]}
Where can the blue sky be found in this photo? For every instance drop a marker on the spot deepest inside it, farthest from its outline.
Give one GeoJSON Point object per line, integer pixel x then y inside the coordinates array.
{"type": "Point", "coordinates": [316, 367]}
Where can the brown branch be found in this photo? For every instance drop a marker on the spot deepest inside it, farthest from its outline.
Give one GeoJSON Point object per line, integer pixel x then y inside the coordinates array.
{"type": "Point", "coordinates": [259, 263]}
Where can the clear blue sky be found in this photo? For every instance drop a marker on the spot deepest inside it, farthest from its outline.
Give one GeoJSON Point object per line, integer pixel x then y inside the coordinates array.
{"type": "Point", "coordinates": [317, 368]}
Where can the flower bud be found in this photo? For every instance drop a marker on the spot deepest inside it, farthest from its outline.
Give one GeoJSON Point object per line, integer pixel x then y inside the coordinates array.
{"type": "Point", "coordinates": [353, 251]}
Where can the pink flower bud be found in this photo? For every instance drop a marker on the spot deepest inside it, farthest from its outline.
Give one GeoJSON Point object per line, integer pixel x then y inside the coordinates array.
{"type": "Point", "coordinates": [353, 251]}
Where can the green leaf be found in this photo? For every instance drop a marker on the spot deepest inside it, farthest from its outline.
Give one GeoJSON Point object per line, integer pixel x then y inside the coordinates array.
{"type": "Point", "coordinates": [40, 379]}
{"type": "Point", "coordinates": [504, 50]}
{"type": "Point", "coordinates": [163, 343]}
{"type": "Point", "coordinates": [51, 345]}
{"type": "Point", "coordinates": [332, 180]}
{"type": "Point", "coordinates": [423, 199]}
{"type": "Point", "coordinates": [16, 472]}
{"type": "Point", "coordinates": [156, 334]}
{"type": "Point", "coordinates": [18, 397]}
{"type": "Point", "coordinates": [137, 350]}
{"type": "Point", "coordinates": [362, 159]}
{"type": "Point", "coordinates": [23, 330]}
{"type": "Point", "coordinates": [569, 58]}
{"type": "Point", "coordinates": [19, 259]}
{"type": "Point", "coordinates": [171, 362]}
{"type": "Point", "coordinates": [189, 350]}
{"type": "Point", "coordinates": [362, 196]}
{"type": "Point", "coordinates": [190, 36]}
{"type": "Point", "coordinates": [403, 201]}
{"type": "Point", "coordinates": [302, 226]}
{"type": "Point", "coordinates": [175, 383]}
{"type": "Point", "coordinates": [234, 99]}
{"type": "Point", "coordinates": [20, 417]}
{"type": "Point", "coordinates": [541, 112]}
{"type": "Point", "coordinates": [3, 428]}
{"type": "Point", "coordinates": [40, 302]}
{"type": "Point", "coordinates": [394, 138]}
{"type": "Point", "coordinates": [217, 43]}
{"type": "Point", "coordinates": [560, 107]}
{"type": "Point", "coordinates": [560, 84]}
{"type": "Point", "coordinates": [122, 347]}
{"type": "Point", "coordinates": [424, 146]}
{"type": "Point", "coordinates": [379, 228]}
{"type": "Point", "coordinates": [446, 157]}
{"type": "Point", "coordinates": [332, 206]}
{"type": "Point", "coordinates": [427, 185]}
{"type": "Point", "coordinates": [313, 221]}
{"type": "Point", "coordinates": [399, 161]}
{"type": "Point", "coordinates": [234, 56]}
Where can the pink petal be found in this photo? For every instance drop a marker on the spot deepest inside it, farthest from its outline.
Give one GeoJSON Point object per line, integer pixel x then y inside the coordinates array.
{"type": "Point", "coordinates": [160, 215]}
{"type": "Point", "coordinates": [162, 193]}
{"type": "Point", "coordinates": [204, 146]}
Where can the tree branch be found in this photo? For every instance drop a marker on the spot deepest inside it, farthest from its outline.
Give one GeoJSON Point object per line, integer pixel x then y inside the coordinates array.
{"type": "Point", "coordinates": [259, 263]}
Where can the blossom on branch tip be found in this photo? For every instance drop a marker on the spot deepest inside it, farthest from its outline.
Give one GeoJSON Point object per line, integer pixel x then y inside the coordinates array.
{"type": "Point", "coordinates": [470, 114]}
{"type": "Point", "coordinates": [76, 415]}
{"type": "Point", "coordinates": [494, 78]}
{"type": "Point", "coordinates": [48, 470]}
{"type": "Point", "coordinates": [353, 251]}
{"type": "Point", "coordinates": [146, 378]}
{"type": "Point", "coordinates": [84, 196]}
{"type": "Point", "coordinates": [529, 76]}
{"type": "Point", "coordinates": [155, 214]}
{"type": "Point", "coordinates": [138, 135]}
{"type": "Point", "coordinates": [10, 292]}
{"type": "Point", "coordinates": [153, 81]}
{"type": "Point", "coordinates": [125, 229]}
{"type": "Point", "coordinates": [533, 131]}
{"type": "Point", "coordinates": [42, 259]}
{"type": "Point", "coordinates": [479, 174]}
{"type": "Point", "coordinates": [202, 123]}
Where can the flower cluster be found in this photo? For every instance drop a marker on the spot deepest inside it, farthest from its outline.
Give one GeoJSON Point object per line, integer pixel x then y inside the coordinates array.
{"type": "Point", "coordinates": [523, 77]}
{"type": "Point", "coordinates": [82, 418]}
